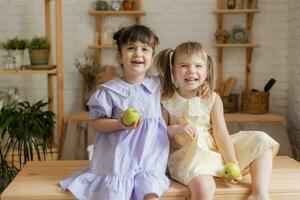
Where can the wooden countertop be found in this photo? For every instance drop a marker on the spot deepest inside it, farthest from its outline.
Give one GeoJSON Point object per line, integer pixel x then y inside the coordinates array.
{"type": "Point", "coordinates": [39, 180]}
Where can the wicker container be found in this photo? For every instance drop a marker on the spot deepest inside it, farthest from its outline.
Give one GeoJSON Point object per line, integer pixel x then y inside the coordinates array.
{"type": "Point", "coordinates": [231, 103]}
{"type": "Point", "coordinates": [14, 158]}
{"type": "Point", "coordinates": [255, 102]}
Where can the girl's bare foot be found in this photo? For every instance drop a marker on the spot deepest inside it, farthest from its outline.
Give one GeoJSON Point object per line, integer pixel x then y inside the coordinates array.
{"type": "Point", "coordinates": [258, 197]}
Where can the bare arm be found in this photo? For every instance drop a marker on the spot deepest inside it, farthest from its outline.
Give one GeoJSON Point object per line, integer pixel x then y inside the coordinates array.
{"type": "Point", "coordinates": [177, 129]}
{"type": "Point", "coordinates": [110, 125]}
{"type": "Point", "coordinates": [105, 125]}
{"type": "Point", "coordinates": [220, 132]}
{"type": "Point", "coordinates": [166, 117]}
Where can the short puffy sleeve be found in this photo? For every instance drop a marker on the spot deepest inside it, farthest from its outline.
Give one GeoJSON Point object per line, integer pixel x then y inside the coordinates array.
{"type": "Point", "coordinates": [100, 104]}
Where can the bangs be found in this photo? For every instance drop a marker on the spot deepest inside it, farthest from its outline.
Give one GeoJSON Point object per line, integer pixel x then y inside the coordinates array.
{"type": "Point", "coordinates": [139, 34]}
{"type": "Point", "coordinates": [191, 48]}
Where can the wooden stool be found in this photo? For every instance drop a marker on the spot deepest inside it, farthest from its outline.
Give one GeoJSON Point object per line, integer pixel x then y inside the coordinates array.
{"type": "Point", "coordinates": [39, 180]}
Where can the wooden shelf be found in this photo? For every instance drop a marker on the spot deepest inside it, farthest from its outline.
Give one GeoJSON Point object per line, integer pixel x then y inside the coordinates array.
{"type": "Point", "coordinates": [239, 45]}
{"type": "Point", "coordinates": [229, 117]}
{"type": "Point", "coordinates": [102, 46]}
{"type": "Point", "coordinates": [235, 11]}
{"type": "Point", "coordinates": [117, 13]}
{"type": "Point", "coordinates": [28, 72]}
{"type": "Point", "coordinates": [244, 117]}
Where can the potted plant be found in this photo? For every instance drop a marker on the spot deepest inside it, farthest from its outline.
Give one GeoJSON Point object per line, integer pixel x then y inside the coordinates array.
{"type": "Point", "coordinates": [15, 49]}
{"type": "Point", "coordinates": [26, 134]}
{"type": "Point", "coordinates": [39, 50]}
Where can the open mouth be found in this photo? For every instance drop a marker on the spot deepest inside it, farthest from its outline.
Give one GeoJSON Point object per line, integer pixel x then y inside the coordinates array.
{"type": "Point", "coordinates": [191, 79]}
{"type": "Point", "coordinates": [137, 62]}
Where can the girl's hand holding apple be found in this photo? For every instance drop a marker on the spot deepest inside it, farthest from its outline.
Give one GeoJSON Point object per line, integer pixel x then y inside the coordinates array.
{"type": "Point", "coordinates": [232, 172]}
{"type": "Point", "coordinates": [130, 119]}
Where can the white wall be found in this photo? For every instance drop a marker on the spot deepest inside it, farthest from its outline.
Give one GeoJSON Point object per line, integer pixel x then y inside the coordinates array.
{"type": "Point", "coordinates": [294, 75]}
{"type": "Point", "coordinates": [174, 21]}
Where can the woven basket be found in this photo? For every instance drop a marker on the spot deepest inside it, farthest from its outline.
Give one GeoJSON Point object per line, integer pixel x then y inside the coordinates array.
{"type": "Point", "coordinates": [255, 102]}
{"type": "Point", "coordinates": [231, 103]}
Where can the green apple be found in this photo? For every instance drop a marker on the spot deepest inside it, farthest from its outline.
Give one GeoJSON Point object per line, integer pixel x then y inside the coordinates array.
{"type": "Point", "coordinates": [130, 116]}
{"type": "Point", "coordinates": [231, 171]}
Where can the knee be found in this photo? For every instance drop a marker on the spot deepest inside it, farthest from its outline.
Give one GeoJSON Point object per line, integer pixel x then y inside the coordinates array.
{"type": "Point", "coordinates": [203, 188]}
{"type": "Point", "coordinates": [151, 196]}
{"type": "Point", "coordinates": [261, 136]}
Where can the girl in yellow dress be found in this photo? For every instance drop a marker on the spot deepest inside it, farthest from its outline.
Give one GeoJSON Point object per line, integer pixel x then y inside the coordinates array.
{"type": "Point", "coordinates": [201, 144]}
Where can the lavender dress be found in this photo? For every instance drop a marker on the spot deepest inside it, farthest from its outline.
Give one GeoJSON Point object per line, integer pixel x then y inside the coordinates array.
{"type": "Point", "coordinates": [127, 164]}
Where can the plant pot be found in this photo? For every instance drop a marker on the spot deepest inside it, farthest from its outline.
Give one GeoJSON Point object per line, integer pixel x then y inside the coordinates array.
{"type": "Point", "coordinates": [13, 157]}
{"type": "Point", "coordinates": [39, 56]}
{"type": "Point", "coordinates": [17, 58]}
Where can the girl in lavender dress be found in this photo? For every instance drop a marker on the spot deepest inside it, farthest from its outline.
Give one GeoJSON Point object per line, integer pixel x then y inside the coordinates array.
{"type": "Point", "coordinates": [129, 162]}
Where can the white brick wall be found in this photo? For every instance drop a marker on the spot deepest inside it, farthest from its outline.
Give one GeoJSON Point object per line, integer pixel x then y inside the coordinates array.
{"type": "Point", "coordinates": [294, 74]}
{"type": "Point", "coordinates": [174, 21]}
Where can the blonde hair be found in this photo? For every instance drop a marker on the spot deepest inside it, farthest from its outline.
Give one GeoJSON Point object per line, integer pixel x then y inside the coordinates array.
{"type": "Point", "coordinates": [166, 59]}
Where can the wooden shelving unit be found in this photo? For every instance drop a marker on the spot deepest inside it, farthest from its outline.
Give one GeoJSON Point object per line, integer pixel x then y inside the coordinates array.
{"type": "Point", "coordinates": [249, 11]}
{"type": "Point", "coordinates": [137, 13]}
{"type": "Point", "coordinates": [51, 74]}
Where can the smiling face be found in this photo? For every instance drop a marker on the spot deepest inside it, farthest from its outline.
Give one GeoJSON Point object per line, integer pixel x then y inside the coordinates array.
{"type": "Point", "coordinates": [136, 59]}
{"type": "Point", "coordinates": [189, 71]}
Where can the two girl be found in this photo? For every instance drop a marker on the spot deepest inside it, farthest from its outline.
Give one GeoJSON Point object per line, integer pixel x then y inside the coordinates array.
{"type": "Point", "coordinates": [200, 141]}
{"type": "Point", "coordinates": [129, 162]}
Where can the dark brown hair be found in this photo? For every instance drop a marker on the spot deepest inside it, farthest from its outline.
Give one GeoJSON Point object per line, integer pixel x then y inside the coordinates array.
{"type": "Point", "coordinates": [166, 58]}
{"type": "Point", "coordinates": [134, 33]}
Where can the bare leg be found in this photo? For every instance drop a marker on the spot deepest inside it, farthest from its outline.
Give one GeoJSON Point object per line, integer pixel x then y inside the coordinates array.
{"type": "Point", "coordinates": [261, 170]}
{"type": "Point", "coordinates": [202, 187]}
{"type": "Point", "coordinates": [151, 197]}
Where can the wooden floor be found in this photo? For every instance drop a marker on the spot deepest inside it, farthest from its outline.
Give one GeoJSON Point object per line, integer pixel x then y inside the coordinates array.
{"type": "Point", "coordinates": [38, 180]}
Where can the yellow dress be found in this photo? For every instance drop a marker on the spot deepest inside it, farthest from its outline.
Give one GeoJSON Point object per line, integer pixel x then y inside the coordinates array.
{"type": "Point", "coordinates": [200, 155]}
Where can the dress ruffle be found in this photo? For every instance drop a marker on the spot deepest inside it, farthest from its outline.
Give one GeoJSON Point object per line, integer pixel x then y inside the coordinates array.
{"type": "Point", "coordinates": [86, 185]}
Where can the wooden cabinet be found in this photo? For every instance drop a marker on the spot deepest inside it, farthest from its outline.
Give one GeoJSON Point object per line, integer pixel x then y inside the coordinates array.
{"type": "Point", "coordinates": [99, 17]}
{"type": "Point", "coordinates": [51, 74]}
{"type": "Point", "coordinates": [249, 11]}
